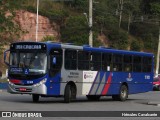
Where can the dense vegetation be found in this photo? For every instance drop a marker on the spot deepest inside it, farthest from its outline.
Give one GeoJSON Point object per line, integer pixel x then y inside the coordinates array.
{"type": "Point", "coordinates": [136, 30]}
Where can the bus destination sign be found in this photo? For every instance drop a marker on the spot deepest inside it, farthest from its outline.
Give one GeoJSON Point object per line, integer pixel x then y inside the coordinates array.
{"type": "Point", "coordinates": [37, 47]}
{"type": "Point", "coordinates": [28, 46]}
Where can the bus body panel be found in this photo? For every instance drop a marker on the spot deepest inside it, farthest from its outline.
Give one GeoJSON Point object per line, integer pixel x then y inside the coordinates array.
{"type": "Point", "coordinates": [29, 86]}
{"type": "Point", "coordinates": [71, 76]}
{"type": "Point", "coordinates": [15, 89]}
{"type": "Point", "coordinates": [53, 85]}
{"type": "Point", "coordinates": [137, 82]}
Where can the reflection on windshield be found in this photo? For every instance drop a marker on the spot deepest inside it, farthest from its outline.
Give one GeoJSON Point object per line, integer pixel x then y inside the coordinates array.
{"type": "Point", "coordinates": [35, 62]}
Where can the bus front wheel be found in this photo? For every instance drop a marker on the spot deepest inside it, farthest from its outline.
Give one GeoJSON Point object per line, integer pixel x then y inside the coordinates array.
{"type": "Point", "coordinates": [67, 94]}
{"type": "Point", "coordinates": [35, 98]}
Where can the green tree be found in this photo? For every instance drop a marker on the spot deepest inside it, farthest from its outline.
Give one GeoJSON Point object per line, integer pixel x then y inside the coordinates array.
{"type": "Point", "coordinates": [155, 8]}
{"type": "Point", "coordinates": [136, 45]}
{"type": "Point", "coordinates": [75, 30]}
{"type": "Point", "coordinates": [118, 39]}
{"type": "Point", "coordinates": [151, 7]}
{"type": "Point", "coordinates": [130, 9]}
{"type": "Point", "coordinates": [9, 29]}
{"type": "Point", "coordinates": [78, 4]}
{"type": "Point", "coordinates": [49, 38]}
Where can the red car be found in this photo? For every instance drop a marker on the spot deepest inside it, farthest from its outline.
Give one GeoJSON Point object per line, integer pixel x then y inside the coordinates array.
{"type": "Point", "coordinates": [156, 83]}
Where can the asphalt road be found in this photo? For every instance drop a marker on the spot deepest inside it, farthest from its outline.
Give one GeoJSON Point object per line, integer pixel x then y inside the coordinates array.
{"type": "Point", "coordinates": [138, 102]}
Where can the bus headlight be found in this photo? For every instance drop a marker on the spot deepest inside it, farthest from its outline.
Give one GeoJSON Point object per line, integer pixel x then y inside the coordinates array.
{"type": "Point", "coordinates": [41, 82]}
{"type": "Point", "coordinates": [10, 82]}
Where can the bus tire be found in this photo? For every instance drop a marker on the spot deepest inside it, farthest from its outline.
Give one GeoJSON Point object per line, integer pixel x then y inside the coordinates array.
{"type": "Point", "coordinates": [123, 93]}
{"type": "Point", "coordinates": [93, 97]}
{"type": "Point", "coordinates": [35, 98]}
{"type": "Point", "coordinates": [67, 94]}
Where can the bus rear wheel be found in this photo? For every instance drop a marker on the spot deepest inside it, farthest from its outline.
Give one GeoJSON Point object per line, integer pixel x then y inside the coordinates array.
{"type": "Point", "coordinates": [35, 98]}
{"type": "Point", "coordinates": [93, 97]}
{"type": "Point", "coordinates": [123, 95]}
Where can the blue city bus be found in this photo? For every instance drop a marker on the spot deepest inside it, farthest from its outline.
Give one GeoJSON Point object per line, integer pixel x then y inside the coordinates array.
{"type": "Point", "coordinates": [47, 69]}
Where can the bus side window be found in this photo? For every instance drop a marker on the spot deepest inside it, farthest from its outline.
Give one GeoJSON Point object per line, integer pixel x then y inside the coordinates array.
{"type": "Point", "coordinates": [95, 61]}
{"type": "Point", "coordinates": [137, 64]}
{"type": "Point", "coordinates": [127, 63]}
{"type": "Point", "coordinates": [70, 59]}
{"type": "Point", "coordinates": [117, 62]}
{"type": "Point", "coordinates": [83, 60]}
{"type": "Point", "coordinates": [106, 61]}
{"type": "Point", "coordinates": [55, 61]}
{"type": "Point", "coordinates": [147, 64]}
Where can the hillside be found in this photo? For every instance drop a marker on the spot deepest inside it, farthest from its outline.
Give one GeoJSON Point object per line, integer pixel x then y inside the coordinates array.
{"type": "Point", "coordinates": [65, 21]}
{"type": "Point", "coordinates": [73, 26]}
{"type": "Point", "coordinates": [120, 24]}
{"type": "Point", "coordinates": [27, 22]}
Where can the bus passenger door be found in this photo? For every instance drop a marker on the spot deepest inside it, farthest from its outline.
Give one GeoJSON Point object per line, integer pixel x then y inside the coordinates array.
{"type": "Point", "coordinates": [55, 71]}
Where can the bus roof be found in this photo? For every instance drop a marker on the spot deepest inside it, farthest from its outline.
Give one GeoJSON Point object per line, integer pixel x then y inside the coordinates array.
{"type": "Point", "coordinates": [101, 49]}
{"type": "Point", "coordinates": [126, 52]}
{"type": "Point", "coordinates": [50, 45]}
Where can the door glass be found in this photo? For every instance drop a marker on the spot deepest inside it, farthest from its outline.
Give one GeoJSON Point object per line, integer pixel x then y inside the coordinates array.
{"type": "Point", "coordinates": [55, 61]}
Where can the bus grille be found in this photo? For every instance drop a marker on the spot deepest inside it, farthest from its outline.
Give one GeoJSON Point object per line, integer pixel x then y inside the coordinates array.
{"type": "Point", "coordinates": [24, 84]}
{"type": "Point", "coordinates": [27, 90]}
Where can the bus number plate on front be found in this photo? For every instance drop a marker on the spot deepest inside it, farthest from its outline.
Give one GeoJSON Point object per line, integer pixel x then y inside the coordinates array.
{"type": "Point", "coordinates": [22, 89]}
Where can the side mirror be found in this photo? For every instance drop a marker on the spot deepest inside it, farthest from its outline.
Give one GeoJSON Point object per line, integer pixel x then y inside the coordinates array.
{"type": "Point", "coordinates": [5, 57]}
{"type": "Point", "coordinates": [7, 73]}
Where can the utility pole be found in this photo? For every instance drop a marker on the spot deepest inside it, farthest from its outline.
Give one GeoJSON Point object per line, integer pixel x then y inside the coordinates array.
{"type": "Point", "coordinates": [37, 21]}
{"type": "Point", "coordinates": [157, 65]}
{"type": "Point", "coordinates": [90, 23]}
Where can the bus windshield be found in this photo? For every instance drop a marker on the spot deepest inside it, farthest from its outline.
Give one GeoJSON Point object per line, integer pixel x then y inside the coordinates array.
{"type": "Point", "coordinates": [35, 62]}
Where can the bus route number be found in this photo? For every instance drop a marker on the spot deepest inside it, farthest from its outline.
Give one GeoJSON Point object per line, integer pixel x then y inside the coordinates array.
{"type": "Point", "coordinates": [147, 77]}
{"type": "Point", "coordinates": [29, 82]}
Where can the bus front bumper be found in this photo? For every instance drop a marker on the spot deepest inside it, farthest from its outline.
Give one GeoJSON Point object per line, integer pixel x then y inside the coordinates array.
{"type": "Point", "coordinates": [20, 89]}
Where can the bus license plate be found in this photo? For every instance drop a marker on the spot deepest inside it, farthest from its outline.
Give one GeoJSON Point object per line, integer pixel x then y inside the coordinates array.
{"type": "Point", "coordinates": [22, 89]}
